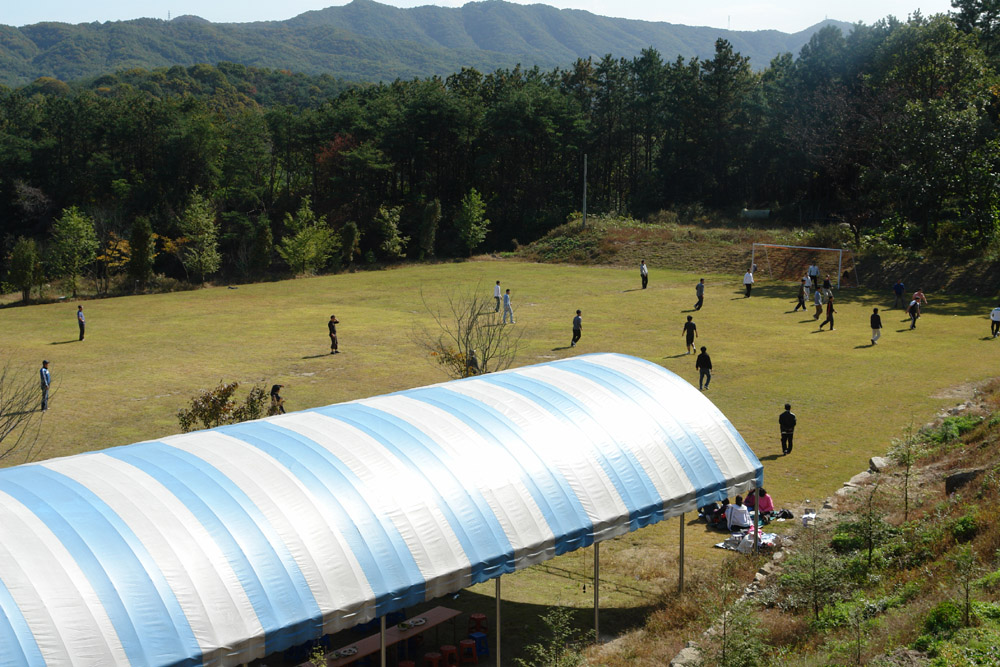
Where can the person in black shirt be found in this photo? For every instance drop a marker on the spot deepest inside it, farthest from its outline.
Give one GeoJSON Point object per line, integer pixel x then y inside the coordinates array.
{"type": "Point", "coordinates": [704, 366]}
{"type": "Point", "coordinates": [876, 321]}
{"type": "Point", "coordinates": [277, 402]}
{"type": "Point", "coordinates": [787, 423]}
{"type": "Point", "coordinates": [332, 326]}
{"type": "Point", "coordinates": [690, 331]}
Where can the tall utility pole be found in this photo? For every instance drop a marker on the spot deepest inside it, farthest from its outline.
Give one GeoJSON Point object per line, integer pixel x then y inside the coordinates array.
{"type": "Point", "coordinates": [585, 190]}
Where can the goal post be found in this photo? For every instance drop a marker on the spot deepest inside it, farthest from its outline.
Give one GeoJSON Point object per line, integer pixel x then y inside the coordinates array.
{"type": "Point", "coordinates": [794, 260]}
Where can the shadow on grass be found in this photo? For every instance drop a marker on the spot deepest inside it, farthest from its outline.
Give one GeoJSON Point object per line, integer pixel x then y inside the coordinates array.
{"type": "Point", "coordinates": [522, 622]}
{"type": "Point", "coordinates": [861, 347]}
{"type": "Point", "coordinates": [903, 330]}
{"type": "Point", "coordinates": [565, 347]}
{"type": "Point", "coordinates": [317, 356]}
{"type": "Point", "coordinates": [678, 356]}
{"type": "Point", "coordinates": [634, 289]}
{"type": "Point", "coordinates": [771, 457]}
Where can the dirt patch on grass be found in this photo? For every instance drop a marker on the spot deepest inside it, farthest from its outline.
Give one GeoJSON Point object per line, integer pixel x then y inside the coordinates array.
{"type": "Point", "coordinates": [959, 392]}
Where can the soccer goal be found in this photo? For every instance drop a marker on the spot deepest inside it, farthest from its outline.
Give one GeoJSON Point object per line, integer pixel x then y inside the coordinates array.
{"type": "Point", "coordinates": [792, 262]}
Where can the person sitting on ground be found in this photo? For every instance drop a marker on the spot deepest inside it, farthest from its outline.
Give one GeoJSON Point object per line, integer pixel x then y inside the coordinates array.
{"type": "Point", "coordinates": [277, 402]}
{"type": "Point", "coordinates": [720, 514]}
{"type": "Point", "coordinates": [766, 503]}
{"type": "Point", "coordinates": [738, 516]}
{"type": "Point", "coordinates": [751, 499]}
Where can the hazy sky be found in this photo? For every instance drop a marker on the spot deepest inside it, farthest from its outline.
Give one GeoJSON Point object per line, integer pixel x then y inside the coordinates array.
{"type": "Point", "coordinates": [785, 15]}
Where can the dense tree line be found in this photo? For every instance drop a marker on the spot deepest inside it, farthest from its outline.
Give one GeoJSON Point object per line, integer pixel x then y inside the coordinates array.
{"type": "Point", "coordinates": [892, 128]}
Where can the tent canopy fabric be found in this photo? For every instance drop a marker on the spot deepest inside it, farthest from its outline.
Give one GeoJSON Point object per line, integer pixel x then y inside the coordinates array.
{"type": "Point", "coordinates": [224, 545]}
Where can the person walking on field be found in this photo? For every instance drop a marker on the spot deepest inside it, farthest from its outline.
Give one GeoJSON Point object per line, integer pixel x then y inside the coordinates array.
{"type": "Point", "coordinates": [818, 302]}
{"type": "Point", "coordinates": [995, 321]}
{"type": "Point", "coordinates": [876, 321]}
{"type": "Point", "coordinates": [46, 379]}
{"type": "Point", "coordinates": [577, 328]}
{"type": "Point", "coordinates": [699, 291]}
{"type": "Point", "coordinates": [919, 297]}
{"type": "Point", "coordinates": [913, 310]}
{"type": "Point", "coordinates": [644, 272]}
{"type": "Point", "coordinates": [277, 402]}
{"type": "Point", "coordinates": [898, 290]}
{"type": "Point", "coordinates": [80, 320]}
{"type": "Point", "coordinates": [829, 313]}
{"type": "Point", "coordinates": [786, 422]}
{"type": "Point", "coordinates": [802, 296]}
{"type": "Point", "coordinates": [496, 296]}
{"type": "Point", "coordinates": [703, 364]}
{"type": "Point", "coordinates": [507, 308]}
{"type": "Point", "coordinates": [332, 326]}
{"type": "Point", "coordinates": [747, 283]}
{"type": "Point", "coordinates": [690, 332]}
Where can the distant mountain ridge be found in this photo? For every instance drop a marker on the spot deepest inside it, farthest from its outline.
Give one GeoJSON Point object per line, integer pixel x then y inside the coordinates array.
{"type": "Point", "coordinates": [366, 40]}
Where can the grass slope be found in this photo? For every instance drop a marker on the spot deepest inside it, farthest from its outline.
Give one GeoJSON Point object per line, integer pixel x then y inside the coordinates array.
{"type": "Point", "coordinates": [145, 356]}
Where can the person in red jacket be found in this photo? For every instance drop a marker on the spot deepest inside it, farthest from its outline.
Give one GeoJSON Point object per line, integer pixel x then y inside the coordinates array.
{"type": "Point", "coordinates": [829, 313]}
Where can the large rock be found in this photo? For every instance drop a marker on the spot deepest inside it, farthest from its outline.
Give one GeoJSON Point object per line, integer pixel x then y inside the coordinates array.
{"type": "Point", "coordinates": [960, 478]}
{"type": "Point", "coordinates": [859, 479]}
{"type": "Point", "coordinates": [688, 657]}
{"type": "Point", "coordinates": [878, 463]}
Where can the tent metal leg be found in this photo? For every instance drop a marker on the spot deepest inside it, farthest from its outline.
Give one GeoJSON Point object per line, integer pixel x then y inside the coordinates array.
{"type": "Point", "coordinates": [680, 560]}
{"type": "Point", "coordinates": [381, 639]}
{"type": "Point", "coordinates": [497, 642]}
{"type": "Point", "coordinates": [597, 592]}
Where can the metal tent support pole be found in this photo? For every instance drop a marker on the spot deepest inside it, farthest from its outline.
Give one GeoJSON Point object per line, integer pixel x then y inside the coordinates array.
{"type": "Point", "coordinates": [597, 592]}
{"type": "Point", "coordinates": [497, 641]}
{"type": "Point", "coordinates": [585, 190]}
{"type": "Point", "coordinates": [840, 267]}
{"type": "Point", "coordinates": [680, 563]}
{"type": "Point", "coordinates": [756, 520]}
{"type": "Point", "coordinates": [381, 639]}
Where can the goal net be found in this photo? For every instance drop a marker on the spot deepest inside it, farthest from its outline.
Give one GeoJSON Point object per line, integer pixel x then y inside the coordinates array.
{"type": "Point", "coordinates": [790, 262]}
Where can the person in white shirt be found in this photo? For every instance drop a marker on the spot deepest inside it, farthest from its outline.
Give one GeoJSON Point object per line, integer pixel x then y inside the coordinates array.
{"type": "Point", "coordinates": [644, 272]}
{"type": "Point", "coordinates": [496, 296]}
{"type": "Point", "coordinates": [813, 274]}
{"type": "Point", "coordinates": [738, 516]}
{"type": "Point", "coordinates": [747, 283]}
{"type": "Point", "coordinates": [995, 321]}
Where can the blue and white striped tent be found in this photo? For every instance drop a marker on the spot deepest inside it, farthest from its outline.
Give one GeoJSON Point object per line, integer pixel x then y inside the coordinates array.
{"type": "Point", "coordinates": [221, 546]}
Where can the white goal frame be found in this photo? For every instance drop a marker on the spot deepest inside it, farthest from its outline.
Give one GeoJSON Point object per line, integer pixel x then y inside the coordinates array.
{"type": "Point", "coordinates": [840, 257]}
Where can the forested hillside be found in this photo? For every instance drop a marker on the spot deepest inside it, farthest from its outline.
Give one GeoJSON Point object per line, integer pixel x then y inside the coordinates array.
{"type": "Point", "coordinates": [892, 129]}
{"type": "Point", "coordinates": [367, 41]}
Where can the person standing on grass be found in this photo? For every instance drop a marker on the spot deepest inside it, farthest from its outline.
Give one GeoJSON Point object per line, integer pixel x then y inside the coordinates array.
{"type": "Point", "coordinates": [813, 274]}
{"type": "Point", "coordinates": [827, 285]}
{"type": "Point", "coordinates": [472, 364]}
{"type": "Point", "coordinates": [332, 326]}
{"type": "Point", "coordinates": [690, 332]}
{"type": "Point", "coordinates": [699, 291]}
{"type": "Point", "coordinates": [995, 321]}
{"type": "Point", "coordinates": [913, 310]}
{"type": "Point", "coordinates": [919, 297]}
{"type": "Point", "coordinates": [747, 283]}
{"type": "Point", "coordinates": [80, 320]}
{"type": "Point", "coordinates": [786, 422]}
{"type": "Point", "coordinates": [898, 290]}
{"type": "Point", "coordinates": [496, 296]}
{"type": "Point", "coordinates": [818, 302]}
{"type": "Point", "coordinates": [802, 296]}
{"type": "Point", "coordinates": [703, 364]}
{"type": "Point", "coordinates": [876, 322]}
{"type": "Point", "coordinates": [507, 308]}
{"type": "Point", "coordinates": [644, 273]}
{"type": "Point", "coordinates": [46, 379]}
{"type": "Point", "coordinates": [577, 328]}
{"type": "Point", "coordinates": [829, 313]}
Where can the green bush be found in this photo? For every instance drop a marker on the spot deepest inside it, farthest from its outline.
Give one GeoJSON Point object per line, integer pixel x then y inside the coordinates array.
{"type": "Point", "coordinates": [944, 619]}
{"type": "Point", "coordinates": [964, 528]}
{"type": "Point", "coordinates": [951, 429]}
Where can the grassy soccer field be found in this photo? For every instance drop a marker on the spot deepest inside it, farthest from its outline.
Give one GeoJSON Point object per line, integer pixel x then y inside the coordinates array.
{"type": "Point", "coordinates": [146, 356]}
